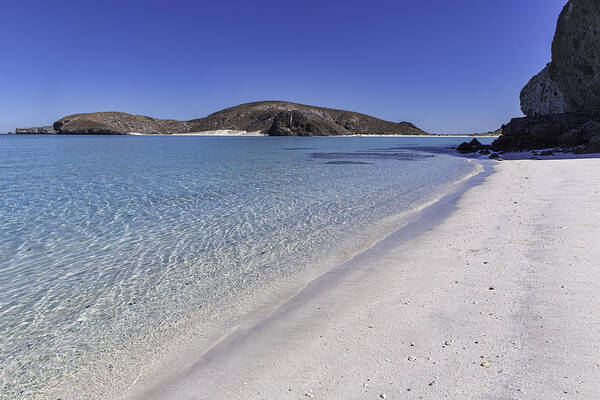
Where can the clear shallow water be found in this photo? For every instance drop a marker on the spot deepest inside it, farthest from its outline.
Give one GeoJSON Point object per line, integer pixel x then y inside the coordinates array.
{"type": "Point", "coordinates": [109, 243]}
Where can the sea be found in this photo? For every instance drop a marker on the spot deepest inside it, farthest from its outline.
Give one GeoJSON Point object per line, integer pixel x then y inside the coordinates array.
{"type": "Point", "coordinates": [115, 250]}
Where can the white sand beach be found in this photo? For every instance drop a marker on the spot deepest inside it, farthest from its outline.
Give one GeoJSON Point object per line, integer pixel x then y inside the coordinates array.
{"type": "Point", "coordinates": [499, 301]}
{"type": "Point", "coordinates": [217, 132]}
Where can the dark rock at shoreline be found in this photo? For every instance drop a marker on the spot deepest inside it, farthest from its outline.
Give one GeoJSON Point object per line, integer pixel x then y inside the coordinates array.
{"type": "Point", "coordinates": [539, 132]}
{"type": "Point", "coordinates": [472, 146]}
{"type": "Point", "coordinates": [585, 134]}
{"type": "Point", "coordinates": [269, 117]}
{"type": "Point", "coordinates": [45, 130]}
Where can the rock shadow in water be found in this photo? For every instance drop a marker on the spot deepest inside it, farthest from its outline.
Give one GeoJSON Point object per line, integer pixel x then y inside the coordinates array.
{"type": "Point", "coordinates": [369, 155]}
{"type": "Point", "coordinates": [342, 162]}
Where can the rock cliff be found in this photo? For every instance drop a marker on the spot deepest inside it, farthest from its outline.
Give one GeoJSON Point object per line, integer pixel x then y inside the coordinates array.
{"type": "Point", "coordinates": [562, 102]}
{"type": "Point", "coordinates": [576, 55]}
{"type": "Point", "coordinates": [277, 118]}
{"type": "Point", "coordinates": [542, 96]}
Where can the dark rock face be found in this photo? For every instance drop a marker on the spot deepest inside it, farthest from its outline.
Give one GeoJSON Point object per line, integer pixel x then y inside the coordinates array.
{"type": "Point", "coordinates": [296, 123]}
{"type": "Point", "coordinates": [575, 63]}
{"type": "Point", "coordinates": [46, 130]}
{"type": "Point", "coordinates": [270, 117]}
{"type": "Point", "coordinates": [543, 131]}
{"type": "Point", "coordinates": [582, 134]}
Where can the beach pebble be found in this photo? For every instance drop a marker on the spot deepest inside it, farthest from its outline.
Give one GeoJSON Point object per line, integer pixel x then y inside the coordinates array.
{"type": "Point", "coordinates": [485, 364]}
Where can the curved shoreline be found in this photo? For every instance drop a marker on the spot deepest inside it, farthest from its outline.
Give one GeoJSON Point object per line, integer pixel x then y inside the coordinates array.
{"type": "Point", "coordinates": [496, 301]}
{"type": "Point", "coordinates": [499, 300]}
{"type": "Point", "coordinates": [113, 356]}
{"type": "Point", "coordinates": [406, 225]}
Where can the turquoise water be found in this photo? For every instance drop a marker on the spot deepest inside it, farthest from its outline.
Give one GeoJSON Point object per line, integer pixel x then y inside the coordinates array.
{"type": "Point", "coordinates": [111, 242]}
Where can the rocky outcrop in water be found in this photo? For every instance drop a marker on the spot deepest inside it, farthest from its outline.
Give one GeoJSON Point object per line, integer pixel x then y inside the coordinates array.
{"type": "Point", "coordinates": [278, 118]}
{"type": "Point", "coordinates": [562, 103]}
{"type": "Point", "coordinates": [472, 146]}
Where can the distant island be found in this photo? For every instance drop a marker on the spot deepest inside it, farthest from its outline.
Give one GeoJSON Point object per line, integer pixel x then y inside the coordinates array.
{"type": "Point", "coordinates": [273, 118]}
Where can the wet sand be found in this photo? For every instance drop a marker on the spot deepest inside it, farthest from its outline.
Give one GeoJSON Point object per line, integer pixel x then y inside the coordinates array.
{"type": "Point", "coordinates": [500, 300]}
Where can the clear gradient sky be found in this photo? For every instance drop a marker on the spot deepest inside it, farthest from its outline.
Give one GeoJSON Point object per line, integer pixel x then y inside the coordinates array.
{"type": "Point", "coordinates": [446, 65]}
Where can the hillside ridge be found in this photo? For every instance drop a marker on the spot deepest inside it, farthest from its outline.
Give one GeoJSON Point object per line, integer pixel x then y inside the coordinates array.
{"type": "Point", "coordinates": [274, 118]}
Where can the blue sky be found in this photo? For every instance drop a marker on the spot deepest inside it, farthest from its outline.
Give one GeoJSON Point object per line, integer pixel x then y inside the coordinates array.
{"type": "Point", "coordinates": [447, 66]}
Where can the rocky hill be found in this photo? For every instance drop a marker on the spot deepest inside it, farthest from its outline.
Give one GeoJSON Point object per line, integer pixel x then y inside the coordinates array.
{"type": "Point", "coordinates": [36, 130]}
{"type": "Point", "coordinates": [562, 102]}
{"type": "Point", "coordinates": [275, 118]}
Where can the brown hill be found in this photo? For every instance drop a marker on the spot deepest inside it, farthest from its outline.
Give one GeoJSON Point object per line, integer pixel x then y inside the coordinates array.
{"type": "Point", "coordinates": [276, 118]}
{"type": "Point", "coordinates": [260, 116]}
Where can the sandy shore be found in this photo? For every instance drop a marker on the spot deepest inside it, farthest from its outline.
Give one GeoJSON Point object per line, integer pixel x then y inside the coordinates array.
{"type": "Point", "coordinates": [498, 301]}
{"type": "Point", "coordinates": [230, 132]}
{"type": "Point", "coordinates": [219, 132]}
